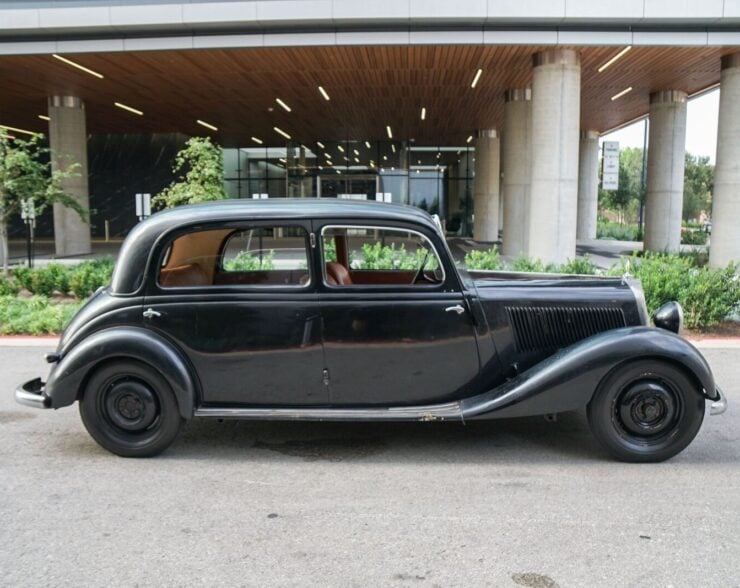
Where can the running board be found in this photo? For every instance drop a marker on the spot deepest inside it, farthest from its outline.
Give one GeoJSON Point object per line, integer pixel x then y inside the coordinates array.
{"type": "Point", "coordinates": [435, 412]}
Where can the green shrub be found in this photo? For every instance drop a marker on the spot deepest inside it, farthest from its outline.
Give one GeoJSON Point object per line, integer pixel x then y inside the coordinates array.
{"type": "Point", "coordinates": [707, 295]}
{"type": "Point", "coordinates": [9, 286]}
{"type": "Point", "coordinates": [34, 316]}
{"type": "Point", "coordinates": [23, 275]}
{"type": "Point", "coordinates": [49, 279]}
{"type": "Point", "coordinates": [484, 260]}
{"type": "Point", "coordinates": [526, 264]}
{"type": "Point", "coordinates": [86, 277]}
{"type": "Point", "coordinates": [581, 266]}
{"type": "Point", "coordinates": [246, 261]}
{"type": "Point", "coordinates": [383, 257]}
{"type": "Point", "coordinates": [694, 238]}
{"type": "Point", "coordinates": [609, 230]}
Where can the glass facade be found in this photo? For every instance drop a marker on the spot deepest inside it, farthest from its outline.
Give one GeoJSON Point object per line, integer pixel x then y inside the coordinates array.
{"type": "Point", "coordinates": [438, 179]}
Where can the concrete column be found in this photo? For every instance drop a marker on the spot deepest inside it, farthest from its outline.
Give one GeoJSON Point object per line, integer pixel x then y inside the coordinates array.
{"type": "Point", "coordinates": [68, 142]}
{"type": "Point", "coordinates": [725, 239]}
{"type": "Point", "coordinates": [517, 152]}
{"type": "Point", "coordinates": [588, 185]}
{"type": "Point", "coordinates": [556, 108]}
{"type": "Point", "coordinates": [665, 168]}
{"type": "Point", "coordinates": [486, 191]}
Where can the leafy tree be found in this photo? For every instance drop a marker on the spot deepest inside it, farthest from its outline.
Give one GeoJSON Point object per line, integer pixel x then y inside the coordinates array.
{"type": "Point", "coordinates": [200, 170]}
{"type": "Point", "coordinates": [698, 185]}
{"type": "Point", "coordinates": [26, 174]}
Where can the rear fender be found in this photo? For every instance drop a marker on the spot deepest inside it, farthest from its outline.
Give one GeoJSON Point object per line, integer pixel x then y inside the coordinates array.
{"type": "Point", "coordinates": [567, 380]}
{"type": "Point", "coordinates": [68, 377]}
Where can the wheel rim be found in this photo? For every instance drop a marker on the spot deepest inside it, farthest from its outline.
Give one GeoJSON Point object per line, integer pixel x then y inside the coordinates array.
{"type": "Point", "coordinates": [130, 405]}
{"type": "Point", "coordinates": [647, 410]}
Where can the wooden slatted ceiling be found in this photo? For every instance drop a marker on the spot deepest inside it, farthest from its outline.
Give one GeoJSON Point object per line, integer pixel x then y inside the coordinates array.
{"type": "Point", "coordinates": [370, 87]}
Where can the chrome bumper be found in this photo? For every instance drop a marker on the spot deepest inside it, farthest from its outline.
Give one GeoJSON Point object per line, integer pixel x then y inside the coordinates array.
{"type": "Point", "coordinates": [720, 405]}
{"type": "Point", "coordinates": [32, 394]}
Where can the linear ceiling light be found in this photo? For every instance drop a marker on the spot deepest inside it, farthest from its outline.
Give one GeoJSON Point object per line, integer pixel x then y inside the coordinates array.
{"type": "Point", "coordinates": [320, 144]}
{"type": "Point", "coordinates": [340, 148]}
{"type": "Point", "coordinates": [367, 144]}
{"type": "Point", "coordinates": [283, 104]}
{"type": "Point", "coordinates": [393, 147]}
{"type": "Point", "coordinates": [324, 93]}
{"type": "Point", "coordinates": [389, 131]}
{"type": "Point", "coordinates": [613, 59]}
{"type": "Point", "coordinates": [622, 93]}
{"type": "Point", "coordinates": [124, 107]}
{"type": "Point", "coordinates": [478, 74]}
{"type": "Point", "coordinates": [355, 151]}
{"type": "Point", "coordinates": [78, 66]}
{"type": "Point", "coordinates": [280, 131]}
{"type": "Point", "coordinates": [206, 125]}
{"type": "Point", "coordinates": [469, 139]}
{"type": "Point", "coordinates": [423, 113]}
{"type": "Point", "coordinates": [256, 140]}
{"type": "Point", "coordinates": [17, 130]}
{"type": "Point", "coordinates": [44, 117]}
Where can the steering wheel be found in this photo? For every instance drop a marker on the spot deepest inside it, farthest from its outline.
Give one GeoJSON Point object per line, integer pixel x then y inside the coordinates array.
{"type": "Point", "coordinates": [420, 275]}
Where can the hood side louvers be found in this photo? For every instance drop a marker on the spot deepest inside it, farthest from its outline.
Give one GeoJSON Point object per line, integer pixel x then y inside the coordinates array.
{"type": "Point", "coordinates": [552, 327]}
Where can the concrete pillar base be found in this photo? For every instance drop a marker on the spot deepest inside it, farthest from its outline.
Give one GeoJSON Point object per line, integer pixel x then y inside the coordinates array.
{"type": "Point", "coordinates": [486, 195]}
{"type": "Point", "coordinates": [556, 108]}
{"type": "Point", "coordinates": [725, 240]}
{"type": "Point", "coordinates": [68, 142]}
{"type": "Point", "coordinates": [665, 169]}
{"type": "Point", "coordinates": [516, 148]}
{"type": "Point", "coordinates": [588, 185]}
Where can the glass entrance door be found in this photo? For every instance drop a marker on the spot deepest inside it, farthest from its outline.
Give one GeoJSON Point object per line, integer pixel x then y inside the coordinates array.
{"type": "Point", "coordinates": [351, 187]}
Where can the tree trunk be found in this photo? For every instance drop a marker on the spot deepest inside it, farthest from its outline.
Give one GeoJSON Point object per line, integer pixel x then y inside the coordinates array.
{"type": "Point", "coordinates": [4, 246]}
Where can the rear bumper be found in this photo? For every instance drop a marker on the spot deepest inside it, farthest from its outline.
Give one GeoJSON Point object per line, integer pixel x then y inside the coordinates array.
{"type": "Point", "coordinates": [719, 405]}
{"type": "Point", "coordinates": [32, 394]}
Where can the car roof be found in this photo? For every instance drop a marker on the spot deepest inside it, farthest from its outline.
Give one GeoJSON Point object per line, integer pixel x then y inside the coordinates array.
{"type": "Point", "coordinates": [135, 251]}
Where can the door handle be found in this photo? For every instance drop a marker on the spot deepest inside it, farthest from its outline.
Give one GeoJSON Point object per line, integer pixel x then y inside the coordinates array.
{"type": "Point", "coordinates": [458, 308]}
{"type": "Point", "coordinates": [150, 312]}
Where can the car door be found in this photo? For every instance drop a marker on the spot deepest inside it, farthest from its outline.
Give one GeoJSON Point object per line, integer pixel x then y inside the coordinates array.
{"type": "Point", "coordinates": [388, 341]}
{"type": "Point", "coordinates": [241, 302]}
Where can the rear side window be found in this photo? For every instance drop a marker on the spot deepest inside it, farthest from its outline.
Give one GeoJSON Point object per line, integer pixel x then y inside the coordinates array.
{"type": "Point", "coordinates": [256, 257]}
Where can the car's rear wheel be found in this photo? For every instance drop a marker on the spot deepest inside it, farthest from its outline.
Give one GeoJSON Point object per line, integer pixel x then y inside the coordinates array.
{"type": "Point", "coordinates": [646, 411]}
{"type": "Point", "coordinates": [130, 410]}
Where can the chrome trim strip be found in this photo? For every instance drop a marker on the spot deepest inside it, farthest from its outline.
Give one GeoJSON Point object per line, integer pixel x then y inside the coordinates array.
{"type": "Point", "coordinates": [720, 405]}
{"type": "Point", "coordinates": [406, 413]}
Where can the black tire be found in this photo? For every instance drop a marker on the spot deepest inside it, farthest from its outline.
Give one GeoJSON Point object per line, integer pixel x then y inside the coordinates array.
{"type": "Point", "coordinates": [646, 411]}
{"type": "Point", "coordinates": [130, 409]}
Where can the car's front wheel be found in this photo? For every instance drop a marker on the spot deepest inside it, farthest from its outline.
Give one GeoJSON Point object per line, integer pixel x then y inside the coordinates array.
{"type": "Point", "coordinates": [130, 409]}
{"type": "Point", "coordinates": [646, 411]}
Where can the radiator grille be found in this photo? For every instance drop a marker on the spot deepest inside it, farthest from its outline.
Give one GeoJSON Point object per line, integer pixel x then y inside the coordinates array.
{"type": "Point", "coordinates": [552, 327]}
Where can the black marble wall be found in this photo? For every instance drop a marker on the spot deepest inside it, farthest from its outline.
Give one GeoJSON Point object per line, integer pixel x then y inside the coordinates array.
{"type": "Point", "coordinates": [119, 167]}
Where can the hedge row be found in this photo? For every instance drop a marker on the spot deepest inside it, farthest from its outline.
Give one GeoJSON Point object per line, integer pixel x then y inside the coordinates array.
{"type": "Point", "coordinates": [80, 280]}
{"type": "Point", "coordinates": [708, 296]}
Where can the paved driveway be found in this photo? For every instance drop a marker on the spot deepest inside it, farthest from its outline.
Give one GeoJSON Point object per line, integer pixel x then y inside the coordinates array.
{"type": "Point", "coordinates": [520, 502]}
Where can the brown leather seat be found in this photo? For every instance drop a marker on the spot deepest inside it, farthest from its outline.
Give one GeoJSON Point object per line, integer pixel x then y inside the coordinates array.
{"type": "Point", "coordinates": [337, 274]}
{"type": "Point", "coordinates": [190, 274]}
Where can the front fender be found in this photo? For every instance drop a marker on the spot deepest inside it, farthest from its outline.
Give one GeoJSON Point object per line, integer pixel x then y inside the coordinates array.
{"type": "Point", "coordinates": [567, 380]}
{"type": "Point", "coordinates": [66, 380]}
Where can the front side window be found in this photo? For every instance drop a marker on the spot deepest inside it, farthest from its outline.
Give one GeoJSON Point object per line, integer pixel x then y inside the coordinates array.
{"type": "Point", "coordinates": [253, 257]}
{"type": "Point", "coordinates": [379, 256]}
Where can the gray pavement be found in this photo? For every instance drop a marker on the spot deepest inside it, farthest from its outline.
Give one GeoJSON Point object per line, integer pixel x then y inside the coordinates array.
{"type": "Point", "coordinates": [509, 503]}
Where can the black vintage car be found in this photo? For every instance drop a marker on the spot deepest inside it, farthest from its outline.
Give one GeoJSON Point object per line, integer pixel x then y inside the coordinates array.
{"type": "Point", "coordinates": [344, 310]}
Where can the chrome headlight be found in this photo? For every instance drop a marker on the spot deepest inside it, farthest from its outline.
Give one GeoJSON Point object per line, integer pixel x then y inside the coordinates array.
{"type": "Point", "coordinates": [669, 317]}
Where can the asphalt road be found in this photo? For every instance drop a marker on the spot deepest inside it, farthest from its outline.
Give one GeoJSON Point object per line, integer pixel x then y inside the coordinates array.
{"type": "Point", "coordinates": [510, 503]}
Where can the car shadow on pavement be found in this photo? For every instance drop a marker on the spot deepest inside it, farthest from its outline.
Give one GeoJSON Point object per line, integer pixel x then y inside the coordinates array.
{"type": "Point", "coordinates": [529, 439]}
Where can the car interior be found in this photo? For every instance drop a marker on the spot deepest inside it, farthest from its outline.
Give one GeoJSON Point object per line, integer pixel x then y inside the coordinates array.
{"type": "Point", "coordinates": [277, 256]}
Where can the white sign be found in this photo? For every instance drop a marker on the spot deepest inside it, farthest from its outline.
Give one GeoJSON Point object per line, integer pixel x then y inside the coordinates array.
{"type": "Point", "coordinates": [28, 209]}
{"type": "Point", "coordinates": [383, 197]}
{"type": "Point", "coordinates": [610, 166]}
{"type": "Point", "coordinates": [257, 196]}
{"type": "Point", "coordinates": [143, 205]}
